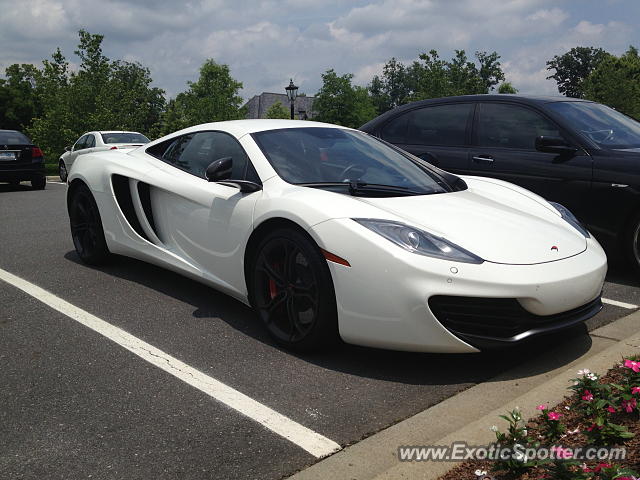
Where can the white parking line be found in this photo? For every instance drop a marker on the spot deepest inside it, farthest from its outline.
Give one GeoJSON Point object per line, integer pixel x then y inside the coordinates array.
{"type": "Point", "coordinates": [314, 443]}
{"type": "Point", "coordinates": [616, 303]}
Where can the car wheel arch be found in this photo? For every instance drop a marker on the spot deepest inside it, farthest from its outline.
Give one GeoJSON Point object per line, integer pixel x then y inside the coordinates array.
{"type": "Point", "coordinates": [73, 186]}
{"type": "Point", "coordinates": [259, 233]}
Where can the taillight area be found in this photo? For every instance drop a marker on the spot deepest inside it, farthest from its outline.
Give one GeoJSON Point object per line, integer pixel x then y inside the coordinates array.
{"type": "Point", "coordinates": [113, 148]}
{"type": "Point", "coordinates": [36, 155]}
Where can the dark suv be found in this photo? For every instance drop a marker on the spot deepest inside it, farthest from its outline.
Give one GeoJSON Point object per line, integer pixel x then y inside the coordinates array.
{"type": "Point", "coordinates": [21, 160]}
{"type": "Point", "coordinates": [581, 154]}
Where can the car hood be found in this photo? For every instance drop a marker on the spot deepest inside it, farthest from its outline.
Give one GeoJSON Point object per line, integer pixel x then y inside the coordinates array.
{"type": "Point", "coordinates": [496, 222]}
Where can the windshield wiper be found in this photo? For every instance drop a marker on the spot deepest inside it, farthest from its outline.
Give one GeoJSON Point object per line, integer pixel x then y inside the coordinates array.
{"type": "Point", "coordinates": [362, 188]}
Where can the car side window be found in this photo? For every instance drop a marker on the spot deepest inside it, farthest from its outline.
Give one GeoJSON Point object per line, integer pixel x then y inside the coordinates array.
{"type": "Point", "coordinates": [79, 145]}
{"type": "Point", "coordinates": [512, 126]}
{"type": "Point", "coordinates": [396, 130]}
{"type": "Point", "coordinates": [195, 152]}
{"type": "Point", "coordinates": [90, 142]}
{"type": "Point", "coordinates": [439, 125]}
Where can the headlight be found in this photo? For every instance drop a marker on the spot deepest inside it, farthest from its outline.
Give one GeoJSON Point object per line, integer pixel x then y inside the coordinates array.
{"type": "Point", "coordinates": [571, 219]}
{"type": "Point", "coordinates": [419, 241]}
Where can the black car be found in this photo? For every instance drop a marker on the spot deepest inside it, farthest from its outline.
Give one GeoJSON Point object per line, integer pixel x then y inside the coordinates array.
{"type": "Point", "coordinates": [21, 160]}
{"type": "Point", "coordinates": [579, 153]}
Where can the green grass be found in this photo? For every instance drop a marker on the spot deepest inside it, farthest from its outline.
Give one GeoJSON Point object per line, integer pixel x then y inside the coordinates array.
{"type": "Point", "coordinates": [51, 168]}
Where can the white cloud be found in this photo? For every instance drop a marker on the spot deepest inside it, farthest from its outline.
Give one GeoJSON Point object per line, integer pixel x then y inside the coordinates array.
{"type": "Point", "coordinates": [266, 42]}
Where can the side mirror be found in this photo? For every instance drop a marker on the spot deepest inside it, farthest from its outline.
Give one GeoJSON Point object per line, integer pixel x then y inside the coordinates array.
{"type": "Point", "coordinates": [554, 145]}
{"type": "Point", "coordinates": [219, 169]}
{"type": "Point", "coordinates": [67, 148]}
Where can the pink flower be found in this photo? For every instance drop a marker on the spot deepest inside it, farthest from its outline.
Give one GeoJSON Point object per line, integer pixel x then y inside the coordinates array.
{"type": "Point", "coordinates": [600, 467]}
{"type": "Point", "coordinates": [554, 416]}
{"type": "Point", "coordinates": [630, 405]}
{"type": "Point", "coordinates": [635, 366]}
{"type": "Point", "coordinates": [610, 409]}
{"type": "Point", "coordinates": [542, 407]}
{"type": "Point", "coordinates": [594, 427]}
{"type": "Point", "coordinates": [635, 390]}
{"type": "Point", "coordinates": [587, 396]}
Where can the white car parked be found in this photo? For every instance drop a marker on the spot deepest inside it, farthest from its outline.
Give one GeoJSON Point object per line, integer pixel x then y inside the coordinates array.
{"type": "Point", "coordinates": [331, 233]}
{"type": "Point", "coordinates": [95, 142]}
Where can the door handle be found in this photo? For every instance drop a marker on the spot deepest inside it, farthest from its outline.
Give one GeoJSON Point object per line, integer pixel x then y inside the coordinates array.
{"type": "Point", "coordinates": [483, 158]}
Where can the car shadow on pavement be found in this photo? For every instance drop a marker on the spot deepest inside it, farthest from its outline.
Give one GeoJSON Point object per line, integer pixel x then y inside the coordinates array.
{"type": "Point", "coordinates": [394, 366]}
{"type": "Point", "coordinates": [22, 187]}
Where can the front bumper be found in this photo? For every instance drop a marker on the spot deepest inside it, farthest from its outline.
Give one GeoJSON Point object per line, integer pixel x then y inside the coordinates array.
{"type": "Point", "coordinates": [383, 298]}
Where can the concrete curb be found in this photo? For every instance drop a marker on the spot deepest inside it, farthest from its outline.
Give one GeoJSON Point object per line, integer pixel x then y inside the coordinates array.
{"type": "Point", "coordinates": [469, 415]}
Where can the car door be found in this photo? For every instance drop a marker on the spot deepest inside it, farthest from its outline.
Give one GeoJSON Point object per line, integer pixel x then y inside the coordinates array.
{"type": "Point", "coordinates": [436, 133]}
{"type": "Point", "coordinates": [503, 140]}
{"type": "Point", "coordinates": [75, 151]}
{"type": "Point", "coordinates": [205, 223]}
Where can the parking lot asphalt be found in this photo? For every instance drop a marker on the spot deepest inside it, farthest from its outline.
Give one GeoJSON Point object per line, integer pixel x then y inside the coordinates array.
{"type": "Point", "coordinates": [74, 404]}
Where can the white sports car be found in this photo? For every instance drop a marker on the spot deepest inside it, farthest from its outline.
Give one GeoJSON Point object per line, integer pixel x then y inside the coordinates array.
{"type": "Point", "coordinates": [95, 142]}
{"type": "Point", "coordinates": [330, 233]}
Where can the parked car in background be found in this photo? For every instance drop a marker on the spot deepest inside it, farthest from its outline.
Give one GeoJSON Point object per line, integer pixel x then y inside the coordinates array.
{"type": "Point", "coordinates": [95, 142]}
{"type": "Point", "coordinates": [576, 152]}
{"type": "Point", "coordinates": [21, 160]}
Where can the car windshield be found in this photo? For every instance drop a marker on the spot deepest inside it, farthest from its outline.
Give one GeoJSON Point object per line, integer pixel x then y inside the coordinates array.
{"type": "Point", "coordinates": [124, 137]}
{"type": "Point", "coordinates": [601, 124]}
{"type": "Point", "coordinates": [332, 155]}
{"type": "Point", "coordinates": [13, 138]}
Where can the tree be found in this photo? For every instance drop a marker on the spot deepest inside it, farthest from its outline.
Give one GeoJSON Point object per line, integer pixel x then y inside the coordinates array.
{"type": "Point", "coordinates": [277, 110]}
{"type": "Point", "coordinates": [616, 82]}
{"type": "Point", "coordinates": [338, 101]}
{"type": "Point", "coordinates": [433, 77]}
{"type": "Point", "coordinates": [507, 87]}
{"type": "Point", "coordinates": [102, 95]}
{"type": "Point", "coordinates": [19, 101]}
{"type": "Point", "coordinates": [213, 97]}
{"type": "Point", "coordinates": [394, 88]}
{"type": "Point", "coordinates": [573, 67]}
{"type": "Point", "coordinates": [127, 100]}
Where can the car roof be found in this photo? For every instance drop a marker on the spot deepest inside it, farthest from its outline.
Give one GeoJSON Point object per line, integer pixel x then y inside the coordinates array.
{"type": "Point", "coordinates": [489, 97]}
{"type": "Point", "coordinates": [239, 128]}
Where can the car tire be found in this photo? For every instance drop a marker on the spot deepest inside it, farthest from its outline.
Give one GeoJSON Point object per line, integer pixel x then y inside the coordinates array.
{"type": "Point", "coordinates": [292, 291]}
{"type": "Point", "coordinates": [39, 183]}
{"type": "Point", "coordinates": [86, 227]}
{"type": "Point", "coordinates": [62, 171]}
{"type": "Point", "coordinates": [631, 243]}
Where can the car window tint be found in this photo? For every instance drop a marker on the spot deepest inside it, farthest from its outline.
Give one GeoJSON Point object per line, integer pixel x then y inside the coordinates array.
{"type": "Point", "coordinates": [90, 142]}
{"type": "Point", "coordinates": [174, 151]}
{"type": "Point", "coordinates": [438, 125]}
{"type": "Point", "coordinates": [123, 137]}
{"type": "Point", "coordinates": [79, 145]}
{"type": "Point", "coordinates": [512, 126]}
{"type": "Point", "coordinates": [396, 130]}
{"type": "Point", "coordinates": [14, 138]}
{"type": "Point", "coordinates": [195, 152]}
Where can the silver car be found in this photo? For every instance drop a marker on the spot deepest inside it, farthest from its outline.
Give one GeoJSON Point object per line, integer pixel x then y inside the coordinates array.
{"type": "Point", "coordinates": [95, 142]}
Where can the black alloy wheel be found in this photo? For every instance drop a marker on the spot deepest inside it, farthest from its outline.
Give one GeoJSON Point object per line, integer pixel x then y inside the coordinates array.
{"type": "Point", "coordinates": [292, 290]}
{"type": "Point", "coordinates": [86, 227]}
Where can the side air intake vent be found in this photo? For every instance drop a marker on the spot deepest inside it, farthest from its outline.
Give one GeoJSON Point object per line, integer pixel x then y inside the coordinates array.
{"type": "Point", "coordinates": [123, 197]}
{"type": "Point", "coordinates": [145, 200]}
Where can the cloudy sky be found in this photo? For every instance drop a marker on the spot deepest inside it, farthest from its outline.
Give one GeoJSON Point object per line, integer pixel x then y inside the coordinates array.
{"type": "Point", "coordinates": [267, 41]}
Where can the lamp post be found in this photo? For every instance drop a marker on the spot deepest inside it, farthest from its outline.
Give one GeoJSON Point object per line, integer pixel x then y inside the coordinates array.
{"type": "Point", "coordinates": [292, 93]}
